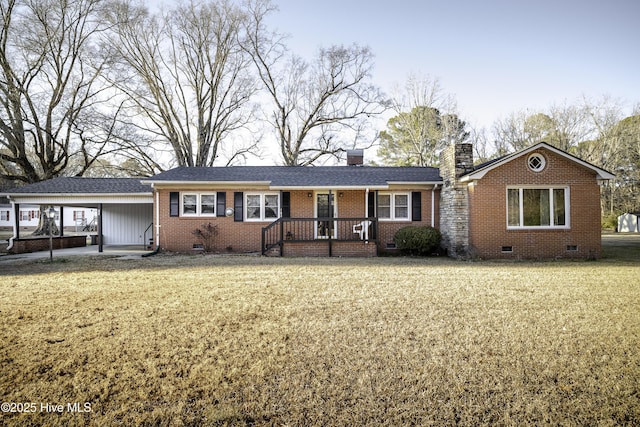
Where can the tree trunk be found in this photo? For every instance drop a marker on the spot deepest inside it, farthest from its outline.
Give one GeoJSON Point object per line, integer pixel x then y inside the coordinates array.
{"type": "Point", "coordinates": [46, 225]}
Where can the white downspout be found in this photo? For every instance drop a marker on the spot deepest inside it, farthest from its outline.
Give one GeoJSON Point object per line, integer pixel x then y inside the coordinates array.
{"type": "Point", "coordinates": [15, 224]}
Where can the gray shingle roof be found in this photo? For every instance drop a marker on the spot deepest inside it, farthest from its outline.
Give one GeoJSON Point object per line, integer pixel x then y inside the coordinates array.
{"type": "Point", "coordinates": [302, 176]}
{"type": "Point", "coordinates": [82, 185]}
{"type": "Point", "coordinates": [276, 176]}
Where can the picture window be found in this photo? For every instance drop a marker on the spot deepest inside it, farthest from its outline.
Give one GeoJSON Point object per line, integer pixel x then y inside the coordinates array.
{"type": "Point", "coordinates": [538, 207]}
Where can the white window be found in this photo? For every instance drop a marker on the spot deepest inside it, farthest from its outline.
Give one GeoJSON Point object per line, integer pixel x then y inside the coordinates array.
{"type": "Point", "coordinates": [262, 206]}
{"type": "Point", "coordinates": [198, 204]}
{"type": "Point", "coordinates": [4, 215]}
{"type": "Point", "coordinates": [537, 207]}
{"type": "Point", "coordinates": [536, 162]}
{"type": "Point", "coordinates": [29, 215]}
{"type": "Point", "coordinates": [393, 206]}
{"type": "Point", "coordinates": [78, 215]}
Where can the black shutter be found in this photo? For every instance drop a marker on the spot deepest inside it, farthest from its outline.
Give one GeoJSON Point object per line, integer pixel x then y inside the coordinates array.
{"type": "Point", "coordinates": [238, 206]}
{"type": "Point", "coordinates": [372, 204]}
{"type": "Point", "coordinates": [174, 203]}
{"type": "Point", "coordinates": [416, 206]}
{"type": "Point", "coordinates": [221, 203]}
{"type": "Point", "coordinates": [286, 204]}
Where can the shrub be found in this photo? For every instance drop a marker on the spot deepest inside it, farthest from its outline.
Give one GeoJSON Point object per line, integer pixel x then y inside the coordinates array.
{"type": "Point", "coordinates": [206, 234]}
{"type": "Point", "coordinates": [414, 240]}
{"type": "Point", "coordinates": [610, 222]}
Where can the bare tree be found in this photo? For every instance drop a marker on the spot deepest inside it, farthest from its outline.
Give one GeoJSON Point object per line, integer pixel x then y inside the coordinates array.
{"type": "Point", "coordinates": [593, 130]}
{"type": "Point", "coordinates": [512, 133]}
{"type": "Point", "coordinates": [563, 126]}
{"type": "Point", "coordinates": [422, 90]}
{"type": "Point", "coordinates": [186, 79]}
{"type": "Point", "coordinates": [50, 66]}
{"type": "Point", "coordinates": [481, 147]}
{"type": "Point", "coordinates": [321, 107]}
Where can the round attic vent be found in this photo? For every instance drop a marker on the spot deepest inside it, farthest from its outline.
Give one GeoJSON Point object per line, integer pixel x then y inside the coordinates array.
{"type": "Point", "coordinates": [536, 162]}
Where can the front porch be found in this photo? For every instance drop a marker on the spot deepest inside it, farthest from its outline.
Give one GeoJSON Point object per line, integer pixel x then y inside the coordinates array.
{"type": "Point", "coordinates": [323, 236]}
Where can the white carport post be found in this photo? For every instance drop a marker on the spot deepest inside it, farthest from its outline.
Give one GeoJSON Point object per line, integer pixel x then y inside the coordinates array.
{"type": "Point", "coordinates": [100, 238]}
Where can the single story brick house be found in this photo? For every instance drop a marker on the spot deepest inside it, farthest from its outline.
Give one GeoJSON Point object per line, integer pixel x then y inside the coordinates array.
{"type": "Point", "coordinates": [537, 203]}
{"type": "Point", "coordinates": [293, 211]}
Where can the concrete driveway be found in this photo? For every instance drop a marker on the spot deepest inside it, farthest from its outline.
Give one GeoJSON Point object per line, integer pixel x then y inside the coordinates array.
{"type": "Point", "coordinates": [133, 251]}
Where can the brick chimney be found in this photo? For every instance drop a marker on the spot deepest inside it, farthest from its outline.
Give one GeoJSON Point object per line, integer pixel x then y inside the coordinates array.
{"type": "Point", "coordinates": [355, 157]}
{"type": "Point", "coordinates": [455, 161]}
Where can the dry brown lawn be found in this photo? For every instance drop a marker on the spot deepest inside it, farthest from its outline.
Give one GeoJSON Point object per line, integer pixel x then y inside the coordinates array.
{"type": "Point", "coordinates": [208, 340]}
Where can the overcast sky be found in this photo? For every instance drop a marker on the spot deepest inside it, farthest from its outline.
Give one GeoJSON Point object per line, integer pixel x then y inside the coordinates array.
{"type": "Point", "coordinates": [494, 56]}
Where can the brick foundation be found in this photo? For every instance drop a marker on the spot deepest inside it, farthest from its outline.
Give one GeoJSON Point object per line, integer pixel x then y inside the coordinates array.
{"type": "Point", "coordinates": [320, 248]}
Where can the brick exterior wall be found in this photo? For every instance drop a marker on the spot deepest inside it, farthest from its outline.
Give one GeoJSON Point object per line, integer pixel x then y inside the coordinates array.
{"type": "Point", "coordinates": [21, 246]}
{"type": "Point", "coordinates": [320, 248]}
{"type": "Point", "coordinates": [176, 233]}
{"type": "Point", "coordinates": [488, 232]}
{"type": "Point", "coordinates": [387, 229]}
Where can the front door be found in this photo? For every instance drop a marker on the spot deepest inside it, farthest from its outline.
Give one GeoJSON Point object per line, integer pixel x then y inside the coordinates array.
{"type": "Point", "coordinates": [325, 209]}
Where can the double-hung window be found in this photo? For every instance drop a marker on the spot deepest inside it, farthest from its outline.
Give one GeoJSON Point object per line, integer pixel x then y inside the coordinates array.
{"type": "Point", "coordinates": [262, 206]}
{"type": "Point", "coordinates": [393, 206]}
{"type": "Point", "coordinates": [29, 215]}
{"type": "Point", "coordinates": [198, 204]}
{"type": "Point", "coordinates": [4, 215]}
{"type": "Point", "coordinates": [537, 207]}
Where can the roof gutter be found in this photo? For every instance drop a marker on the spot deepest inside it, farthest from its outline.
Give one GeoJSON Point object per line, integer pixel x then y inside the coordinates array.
{"type": "Point", "coordinates": [436, 183]}
{"type": "Point", "coordinates": [327, 187]}
{"type": "Point", "coordinates": [157, 183]}
{"type": "Point", "coordinates": [15, 195]}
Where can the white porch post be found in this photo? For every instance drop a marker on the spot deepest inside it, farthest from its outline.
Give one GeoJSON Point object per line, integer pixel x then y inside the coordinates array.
{"type": "Point", "coordinates": [366, 214]}
{"type": "Point", "coordinates": [366, 202]}
{"type": "Point", "coordinates": [157, 221]}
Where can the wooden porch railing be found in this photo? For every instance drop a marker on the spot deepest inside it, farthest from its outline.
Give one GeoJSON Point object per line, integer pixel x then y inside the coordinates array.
{"type": "Point", "coordinates": [318, 229]}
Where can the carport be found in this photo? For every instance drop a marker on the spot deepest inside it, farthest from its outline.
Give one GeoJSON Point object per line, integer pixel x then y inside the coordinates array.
{"type": "Point", "coordinates": [124, 207]}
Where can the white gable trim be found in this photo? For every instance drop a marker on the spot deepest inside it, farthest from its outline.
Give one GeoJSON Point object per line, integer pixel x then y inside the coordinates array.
{"type": "Point", "coordinates": [480, 173]}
